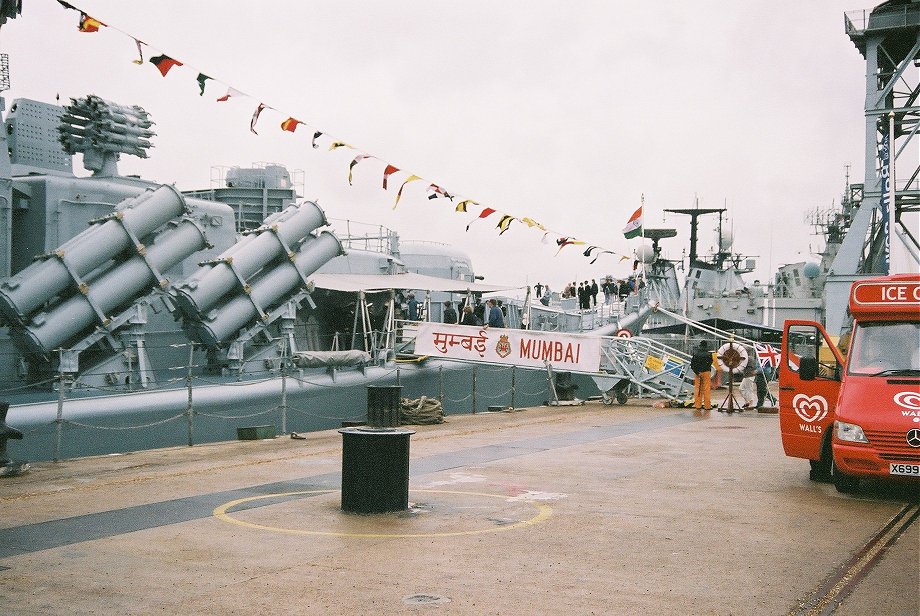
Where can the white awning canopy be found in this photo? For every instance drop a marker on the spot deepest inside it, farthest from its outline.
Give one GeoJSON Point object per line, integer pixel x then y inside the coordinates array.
{"type": "Point", "coordinates": [407, 281]}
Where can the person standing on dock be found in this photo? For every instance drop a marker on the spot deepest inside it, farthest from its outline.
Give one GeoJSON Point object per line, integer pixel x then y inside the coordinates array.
{"type": "Point", "coordinates": [701, 364]}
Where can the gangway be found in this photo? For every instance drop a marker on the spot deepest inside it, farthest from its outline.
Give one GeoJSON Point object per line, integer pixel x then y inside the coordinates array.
{"type": "Point", "coordinates": [647, 365]}
{"type": "Point", "coordinates": [628, 364]}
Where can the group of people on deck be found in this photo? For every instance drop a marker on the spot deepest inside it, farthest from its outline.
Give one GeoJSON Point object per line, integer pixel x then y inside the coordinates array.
{"type": "Point", "coordinates": [491, 313]}
{"type": "Point", "coordinates": [587, 292]}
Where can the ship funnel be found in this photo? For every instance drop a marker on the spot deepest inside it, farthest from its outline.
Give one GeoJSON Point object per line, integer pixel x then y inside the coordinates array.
{"type": "Point", "coordinates": [133, 220]}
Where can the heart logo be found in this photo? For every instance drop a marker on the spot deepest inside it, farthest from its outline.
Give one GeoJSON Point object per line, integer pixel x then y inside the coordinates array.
{"type": "Point", "coordinates": [810, 408]}
{"type": "Point", "coordinates": [908, 399]}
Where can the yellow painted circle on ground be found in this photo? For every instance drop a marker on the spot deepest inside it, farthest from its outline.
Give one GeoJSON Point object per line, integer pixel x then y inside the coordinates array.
{"type": "Point", "coordinates": [543, 512]}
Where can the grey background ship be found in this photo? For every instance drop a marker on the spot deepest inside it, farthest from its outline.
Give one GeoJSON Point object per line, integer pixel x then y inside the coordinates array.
{"type": "Point", "coordinates": [138, 316]}
{"type": "Point", "coordinates": [104, 328]}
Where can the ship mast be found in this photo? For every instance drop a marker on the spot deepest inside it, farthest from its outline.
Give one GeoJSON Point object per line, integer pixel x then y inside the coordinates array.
{"type": "Point", "coordinates": [694, 214]}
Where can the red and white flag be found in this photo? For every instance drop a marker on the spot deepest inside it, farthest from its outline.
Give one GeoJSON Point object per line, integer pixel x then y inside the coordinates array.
{"type": "Point", "coordinates": [767, 355]}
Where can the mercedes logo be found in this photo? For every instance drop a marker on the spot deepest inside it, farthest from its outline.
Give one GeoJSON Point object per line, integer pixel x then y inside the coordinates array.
{"type": "Point", "coordinates": [913, 437]}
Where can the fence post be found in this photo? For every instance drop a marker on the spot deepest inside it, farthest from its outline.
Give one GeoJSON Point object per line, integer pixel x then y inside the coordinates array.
{"type": "Point", "coordinates": [397, 376]}
{"type": "Point", "coordinates": [189, 412]}
{"type": "Point", "coordinates": [441, 385]}
{"type": "Point", "coordinates": [59, 421]}
{"type": "Point", "coordinates": [513, 379]}
{"type": "Point", "coordinates": [284, 353]}
{"type": "Point", "coordinates": [473, 392]}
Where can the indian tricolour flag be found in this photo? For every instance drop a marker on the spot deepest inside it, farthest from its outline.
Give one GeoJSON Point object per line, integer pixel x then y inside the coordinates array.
{"type": "Point", "coordinates": [633, 228]}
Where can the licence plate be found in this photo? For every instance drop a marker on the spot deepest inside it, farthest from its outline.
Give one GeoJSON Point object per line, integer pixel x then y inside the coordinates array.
{"type": "Point", "coordinates": [912, 470]}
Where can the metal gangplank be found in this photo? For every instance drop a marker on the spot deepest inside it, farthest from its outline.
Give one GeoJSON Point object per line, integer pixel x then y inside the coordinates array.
{"type": "Point", "coordinates": [632, 366]}
{"type": "Point", "coordinates": [640, 365]}
{"type": "Point", "coordinates": [652, 366]}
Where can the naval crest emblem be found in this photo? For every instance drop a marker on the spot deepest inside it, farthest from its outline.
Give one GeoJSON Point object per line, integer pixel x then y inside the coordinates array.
{"type": "Point", "coordinates": [503, 347]}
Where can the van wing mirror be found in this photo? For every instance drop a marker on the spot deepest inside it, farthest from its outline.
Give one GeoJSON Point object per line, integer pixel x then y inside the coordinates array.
{"type": "Point", "coordinates": [808, 368]}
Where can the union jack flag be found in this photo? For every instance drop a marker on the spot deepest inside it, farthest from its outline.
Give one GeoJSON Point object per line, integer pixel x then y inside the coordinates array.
{"type": "Point", "coordinates": [767, 355]}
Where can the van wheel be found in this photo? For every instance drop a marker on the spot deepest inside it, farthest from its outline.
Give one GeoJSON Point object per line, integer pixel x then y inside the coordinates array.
{"type": "Point", "coordinates": [845, 484]}
{"type": "Point", "coordinates": [821, 469]}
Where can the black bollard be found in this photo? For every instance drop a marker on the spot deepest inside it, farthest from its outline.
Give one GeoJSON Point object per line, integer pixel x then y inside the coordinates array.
{"type": "Point", "coordinates": [8, 467]}
{"type": "Point", "coordinates": [375, 458]}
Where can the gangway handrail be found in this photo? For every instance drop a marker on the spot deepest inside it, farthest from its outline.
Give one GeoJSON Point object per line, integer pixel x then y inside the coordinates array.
{"type": "Point", "coordinates": [621, 358]}
{"type": "Point", "coordinates": [718, 333]}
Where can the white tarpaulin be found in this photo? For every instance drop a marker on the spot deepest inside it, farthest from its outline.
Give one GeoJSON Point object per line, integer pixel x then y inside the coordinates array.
{"type": "Point", "coordinates": [407, 281]}
{"type": "Point", "coordinates": [517, 347]}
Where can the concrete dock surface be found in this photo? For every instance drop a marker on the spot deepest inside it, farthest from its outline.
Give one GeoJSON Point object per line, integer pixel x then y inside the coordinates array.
{"type": "Point", "coordinates": [574, 509]}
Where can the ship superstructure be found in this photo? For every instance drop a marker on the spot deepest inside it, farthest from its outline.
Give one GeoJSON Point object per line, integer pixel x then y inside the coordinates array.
{"type": "Point", "coordinates": [882, 236]}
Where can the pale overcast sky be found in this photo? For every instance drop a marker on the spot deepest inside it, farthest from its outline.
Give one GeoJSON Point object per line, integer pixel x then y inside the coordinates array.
{"type": "Point", "coordinates": [563, 112]}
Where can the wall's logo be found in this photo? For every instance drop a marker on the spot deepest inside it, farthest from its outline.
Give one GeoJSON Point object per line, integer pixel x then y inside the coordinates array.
{"type": "Point", "coordinates": [810, 408]}
{"type": "Point", "coordinates": [913, 437]}
{"type": "Point", "coordinates": [503, 348]}
{"type": "Point", "coordinates": [908, 399]}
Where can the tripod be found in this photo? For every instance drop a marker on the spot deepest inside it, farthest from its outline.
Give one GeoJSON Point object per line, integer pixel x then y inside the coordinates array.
{"type": "Point", "coordinates": [733, 359]}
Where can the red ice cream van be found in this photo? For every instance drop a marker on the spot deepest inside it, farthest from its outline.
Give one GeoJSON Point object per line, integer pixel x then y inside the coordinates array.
{"type": "Point", "coordinates": [857, 416]}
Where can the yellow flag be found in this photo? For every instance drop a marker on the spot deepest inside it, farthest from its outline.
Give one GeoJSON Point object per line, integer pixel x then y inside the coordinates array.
{"type": "Point", "coordinates": [461, 207]}
{"type": "Point", "coordinates": [411, 178]}
{"type": "Point", "coordinates": [530, 222]}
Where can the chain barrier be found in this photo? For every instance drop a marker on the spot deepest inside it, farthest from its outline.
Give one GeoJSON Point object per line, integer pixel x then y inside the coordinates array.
{"type": "Point", "coordinates": [463, 399]}
{"type": "Point", "coordinates": [193, 381]}
{"type": "Point", "coordinates": [29, 386]}
{"type": "Point", "coordinates": [137, 427]}
{"type": "Point", "coordinates": [542, 390]}
{"type": "Point", "coordinates": [495, 397]}
{"type": "Point", "coordinates": [217, 416]}
{"type": "Point", "coordinates": [38, 428]}
{"type": "Point", "coordinates": [309, 414]}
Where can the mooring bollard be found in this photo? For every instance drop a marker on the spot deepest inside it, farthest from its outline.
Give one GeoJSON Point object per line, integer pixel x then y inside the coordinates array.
{"type": "Point", "coordinates": [375, 458]}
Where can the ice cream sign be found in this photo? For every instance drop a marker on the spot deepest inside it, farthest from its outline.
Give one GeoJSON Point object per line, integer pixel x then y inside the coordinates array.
{"type": "Point", "coordinates": [886, 293]}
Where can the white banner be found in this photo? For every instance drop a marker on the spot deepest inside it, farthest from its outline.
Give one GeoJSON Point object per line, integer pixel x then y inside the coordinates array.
{"type": "Point", "coordinates": [518, 347]}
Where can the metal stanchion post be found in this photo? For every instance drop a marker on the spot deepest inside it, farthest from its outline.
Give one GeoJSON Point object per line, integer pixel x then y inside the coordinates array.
{"type": "Point", "coordinates": [188, 379]}
{"type": "Point", "coordinates": [473, 391]}
{"type": "Point", "coordinates": [441, 385]}
{"type": "Point", "coordinates": [284, 388]}
{"type": "Point", "coordinates": [59, 420]}
{"type": "Point", "coordinates": [513, 379]}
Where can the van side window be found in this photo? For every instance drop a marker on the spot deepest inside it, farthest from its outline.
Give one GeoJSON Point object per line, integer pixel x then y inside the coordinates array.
{"type": "Point", "coordinates": [808, 341]}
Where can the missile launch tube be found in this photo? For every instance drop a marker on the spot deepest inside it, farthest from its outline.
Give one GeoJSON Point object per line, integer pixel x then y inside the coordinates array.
{"type": "Point", "coordinates": [269, 289]}
{"type": "Point", "coordinates": [204, 289]}
{"type": "Point", "coordinates": [27, 291]}
{"type": "Point", "coordinates": [111, 291]}
{"type": "Point", "coordinates": [633, 322]}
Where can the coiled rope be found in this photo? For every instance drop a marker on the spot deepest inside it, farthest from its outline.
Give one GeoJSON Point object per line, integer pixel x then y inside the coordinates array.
{"type": "Point", "coordinates": [421, 411]}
